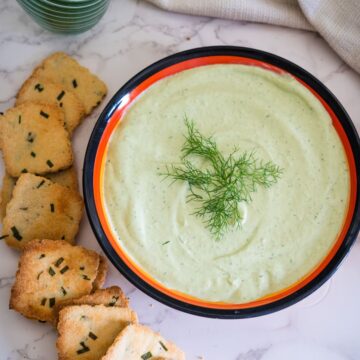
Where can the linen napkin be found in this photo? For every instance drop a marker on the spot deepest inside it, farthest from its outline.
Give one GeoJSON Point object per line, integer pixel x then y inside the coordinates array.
{"type": "Point", "coordinates": [338, 21]}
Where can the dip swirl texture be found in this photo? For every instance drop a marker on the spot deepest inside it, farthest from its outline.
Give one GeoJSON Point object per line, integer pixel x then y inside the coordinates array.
{"type": "Point", "coordinates": [287, 230]}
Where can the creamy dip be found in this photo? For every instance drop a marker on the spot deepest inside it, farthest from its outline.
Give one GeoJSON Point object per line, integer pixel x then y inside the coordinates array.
{"type": "Point", "coordinates": [287, 229]}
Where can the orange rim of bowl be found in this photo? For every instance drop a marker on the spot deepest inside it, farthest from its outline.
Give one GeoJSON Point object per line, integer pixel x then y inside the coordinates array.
{"type": "Point", "coordinates": [98, 176]}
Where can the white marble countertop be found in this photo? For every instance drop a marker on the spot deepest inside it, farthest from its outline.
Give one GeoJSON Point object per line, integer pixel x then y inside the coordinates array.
{"type": "Point", "coordinates": [132, 35]}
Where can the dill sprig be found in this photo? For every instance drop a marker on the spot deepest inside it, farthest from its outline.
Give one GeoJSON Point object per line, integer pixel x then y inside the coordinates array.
{"type": "Point", "coordinates": [220, 187]}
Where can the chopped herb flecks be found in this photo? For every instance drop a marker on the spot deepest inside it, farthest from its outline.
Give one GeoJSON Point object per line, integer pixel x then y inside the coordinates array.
{"type": "Point", "coordinates": [16, 233]}
{"type": "Point", "coordinates": [74, 83]}
{"type": "Point", "coordinates": [63, 237]}
{"type": "Point", "coordinates": [82, 267]}
{"type": "Point", "coordinates": [163, 346]}
{"type": "Point", "coordinates": [113, 300]}
{"type": "Point", "coordinates": [51, 271]}
{"type": "Point", "coordinates": [39, 274]}
{"type": "Point", "coordinates": [64, 269]}
{"type": "Point", "coordinates": [63, 291]}
{"type": "Point", "coordinates": [41, 183]}
{"type": "Point", "coordinates": [51, 302]}
{"type": "Point", "coordinates": [23, 208]}
{"type": "Point", "coordinates": [41, 256]}
{"type": "Point", "coordinates": [30, 137]}
{"type": "Point", "coordinates": [59, 261]}
{"type": "Point", "coordinates": [61, 104]}
{"type": "Point", "coordinates": [3, 237]}
{"type": "Point", "coordinates": [43, 301]}
{"type": "Point", "coordinates": [146, 356]}
{"type": "Point", "coordinates": [19, 119]}
{"type": "Point", "coordinates": [85, 277]}
{"type": "Point", "coordinates": [39, 87]}
{"type": "Point", "coordinates": [33, 154]}
{"type": "Point", "coordinates": [44, 114]}
{"type": "Point", "coordinates": [92, 335]}
{"type": "Point", "coordinates": [52, 207]}
{"type": "Point", "coordinates": [60, 96]}
{"type": "Point", "coordinates": [49, 163]}
{"type": "Point", "coordinates": [83, 349]}
{"type": "Point", "coordinates": [166, 242]}
{"type": "Point", "coordinates": [24, 171]}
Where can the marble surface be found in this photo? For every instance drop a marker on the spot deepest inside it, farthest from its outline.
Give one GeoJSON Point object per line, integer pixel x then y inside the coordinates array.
{"type": "Point", "coordinates": [132, 35]}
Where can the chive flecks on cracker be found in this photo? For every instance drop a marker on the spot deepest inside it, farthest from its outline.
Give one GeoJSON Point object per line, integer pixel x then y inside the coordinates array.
{"type": "Point", "coordinates": [37, 279]}
{"type": "Point", "coordinates": [138, 342]}
{"type": "Point", "coordinates": [90, 327]}
{"type": "Point", "coordinates": [35, 135]}
{"type": "Point", "coordinates": [54, 94]}
{"type": "Point", "coordinates": [36, 193]}
{"type": "Point", "coordinates": [60, 68]}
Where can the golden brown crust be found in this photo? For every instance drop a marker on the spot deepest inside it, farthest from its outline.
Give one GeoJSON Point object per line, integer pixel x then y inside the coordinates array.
{"type": "Point", "coordinates": [136, 340]}
{"type": "Point", "coordinates": [33, 139]}
{"type": "Point", "coordinates": [62, 69]}
{"type": "Point", "coordinates": [79, 323]}
{"type": "Point", "coordinates": [51, 269]}
{"type": "Point", "coordinates": [112, 296]}
{"type": "Point", "coordinates": [66, 178]}
{"type": "Point", "coordinates": [7, 188]}
{"type": "Point", "coordinates": [41, 209]}
{"type": "Point", "coordinates": [42, 90]}
{"type": "Point", "coordinates": [101, 275]}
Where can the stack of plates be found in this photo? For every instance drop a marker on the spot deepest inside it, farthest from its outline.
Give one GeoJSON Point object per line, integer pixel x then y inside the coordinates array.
{"type": "Point", "coordinates": [65, 16]}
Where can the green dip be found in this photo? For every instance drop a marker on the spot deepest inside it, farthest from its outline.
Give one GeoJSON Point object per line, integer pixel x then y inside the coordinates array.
{"type": "Point", "coordinates": [287, 230]}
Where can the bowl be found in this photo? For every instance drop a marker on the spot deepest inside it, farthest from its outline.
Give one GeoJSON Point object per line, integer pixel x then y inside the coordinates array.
{"type": "Point", "coordinates": [65, 16]}
{"type": "Point", "coordinates": [111, 116]}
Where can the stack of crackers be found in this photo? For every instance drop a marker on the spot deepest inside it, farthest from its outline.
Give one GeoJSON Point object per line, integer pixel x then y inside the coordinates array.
{"type": "Point", "coordinates": [41, 209]}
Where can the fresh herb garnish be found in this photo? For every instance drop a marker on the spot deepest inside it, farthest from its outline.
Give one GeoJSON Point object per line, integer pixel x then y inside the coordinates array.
{"type": "Point", "coordinates": [92, 335]}
{"type": "Point", "coordinates": [224, 183]}
{"type": "Point", "coordinates": [24, 208]}
{"type": "Point", "coordinates": [83, 349]}
{"type": "Point", "coordinates": [146, 356]}
{"type": "Point", "coordinates": [52, 207]}
{"type": "Point", "coordinates": [39, 274]}
{"type": "Point", "coordinates": [63, 237]}
{"type": "Point", "coordinates": [64, 269]}
{"type": "Point", "coordinates": [85, 277]}
{"type": "Point", "coordinates": [51, 271]}
{"type": "Point", "coordinates": [19, 119]}
{"type": "Point", "coordinates": [60, 96]}
{"type": "Point", "coordinates": [44, 114]}
{"type": "Point", "coordinates": [3, 237]}
{"type": "Point", "coordinates": [51, 302]}
{"type": "Point", "coordinates": [163, 346]}
{"type": "Point", "coordinates": [74, 83]}
{"type": "Point", "coordinates": [24, 171]}
{"type": "Point", "coordinates": [16, 233]}
{"type": "Point", "coordinates": [166, 242]}
{"type": "Point", "coordinates": [82, 267]}
{"type": "Point", "coordinates": [39, 87]}
{"type": "Point", "coordinates": [41, 256]}
{"type": "Point", "coordinates": [33, 154]}
{"type": "Point", "coordinates": [49, 163]}
{"type": "Point", "coordinates": [59, 261]}
{"type": "Point", "coordinates": [43, 301]}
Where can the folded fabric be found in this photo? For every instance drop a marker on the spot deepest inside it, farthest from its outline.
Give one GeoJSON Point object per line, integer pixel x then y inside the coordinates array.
{"type": "Point", "coordinates": [337, 21]}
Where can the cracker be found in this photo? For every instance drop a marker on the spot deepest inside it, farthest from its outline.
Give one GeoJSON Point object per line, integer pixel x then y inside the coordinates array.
{"type": "Point", "coordinates": [33, 139]}
{"type": "Point", "coordinates": [8, 185]}
{"type": "Point", "coordinates": [86, 332]}
{"type": "Point", "coordinates": [66, 178]}
{"type": "Point", "coordinates": [112, 296]}
{"type": "Point", "coordinates": [62, 69]}
{"type": "Point", "coordinates": [42, 90]}
{"type": "Point", "coordinates": [100, 278]}
{"type": "Point", "coordinates": [41, 209]}
{"type": "Point", "coordinates": [49, 272]}
{"type": "Point", "coordinates": [137, 342]}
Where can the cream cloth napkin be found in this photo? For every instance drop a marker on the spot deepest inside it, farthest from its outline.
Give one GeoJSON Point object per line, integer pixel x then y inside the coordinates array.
{"type": "Point", "coordinates": [338, 21]}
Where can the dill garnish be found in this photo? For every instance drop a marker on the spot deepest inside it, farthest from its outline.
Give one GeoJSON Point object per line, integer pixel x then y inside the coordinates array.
{"type": "Point", "coordinates": [224, 183]}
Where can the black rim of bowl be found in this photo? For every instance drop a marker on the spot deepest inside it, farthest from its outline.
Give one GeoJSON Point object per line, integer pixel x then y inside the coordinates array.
{"type": "Point", "coordinates": [97, 132]}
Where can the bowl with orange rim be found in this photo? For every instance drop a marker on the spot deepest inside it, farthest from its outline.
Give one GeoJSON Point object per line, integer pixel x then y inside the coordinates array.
{"type": "Point", "coordinates": [93, 182]}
